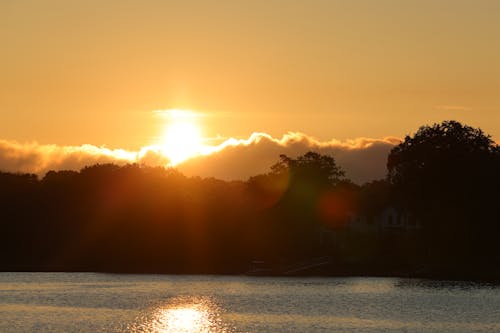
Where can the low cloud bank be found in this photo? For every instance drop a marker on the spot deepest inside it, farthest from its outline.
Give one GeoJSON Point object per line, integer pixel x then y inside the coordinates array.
{"type": "Point", "coordinates": [37, 158]}
{"type": "Point", "coordinates": [363, 159]}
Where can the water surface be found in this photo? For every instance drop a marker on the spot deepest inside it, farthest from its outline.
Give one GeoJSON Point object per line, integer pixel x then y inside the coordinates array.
{"type": "Point", "coordinates": [88, 302]}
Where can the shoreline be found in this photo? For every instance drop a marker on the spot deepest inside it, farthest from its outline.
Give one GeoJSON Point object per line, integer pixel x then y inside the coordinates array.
{"type": "Point", "coordinates": [493, 280]}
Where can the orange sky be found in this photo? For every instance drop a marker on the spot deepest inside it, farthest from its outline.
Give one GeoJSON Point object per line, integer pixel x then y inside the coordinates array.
{"type": "Point", "coordinates": [92, 72]}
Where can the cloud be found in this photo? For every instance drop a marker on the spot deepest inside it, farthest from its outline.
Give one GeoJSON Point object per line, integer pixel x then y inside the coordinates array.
{"type": "Point", "coordinates": [363, 159]}
{"type": "Point", "coordinates": [35, 158]}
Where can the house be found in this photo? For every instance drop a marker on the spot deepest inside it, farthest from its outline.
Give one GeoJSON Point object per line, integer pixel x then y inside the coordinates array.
{"type": "Point", "coordinates": [388, 219]}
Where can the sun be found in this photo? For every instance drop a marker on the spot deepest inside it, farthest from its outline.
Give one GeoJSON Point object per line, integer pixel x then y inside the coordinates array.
{"type": "Point", "coordinates": [181, 141]}
{"type": "Point", "coordinates": [182, 138]}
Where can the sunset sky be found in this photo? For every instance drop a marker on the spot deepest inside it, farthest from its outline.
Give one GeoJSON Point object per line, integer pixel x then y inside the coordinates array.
{"type": "Point", "coordinates": [96, 73]}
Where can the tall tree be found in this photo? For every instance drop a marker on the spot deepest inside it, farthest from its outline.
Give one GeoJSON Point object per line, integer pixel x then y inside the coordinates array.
{"type": "Point", "coordinates": [310, 177]}
{"type": "Point", "coordinates": [447, 174]}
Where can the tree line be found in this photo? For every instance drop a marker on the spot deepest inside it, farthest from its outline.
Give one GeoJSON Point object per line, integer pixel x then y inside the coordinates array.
{"type": "Point", "coordinates": [136, 218]}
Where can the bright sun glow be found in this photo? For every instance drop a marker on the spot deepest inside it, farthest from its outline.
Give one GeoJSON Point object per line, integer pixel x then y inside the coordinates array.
{"type": "Point", "coordinates": [197, 315]}
{"type": "Point", "coordinates": [182, 138]}
{"type": "Point", "coordinates": [182, 319]}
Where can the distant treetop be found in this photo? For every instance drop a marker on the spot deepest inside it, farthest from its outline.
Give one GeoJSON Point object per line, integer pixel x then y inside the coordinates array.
{"type": "Point", "coordinates": [311, 165]}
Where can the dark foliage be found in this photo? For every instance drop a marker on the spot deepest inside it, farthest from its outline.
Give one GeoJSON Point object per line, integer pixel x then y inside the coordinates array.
{"type": "Point", "coordinates": [448, 174]}
{"type": "Point", "coordinates": [140, 219]}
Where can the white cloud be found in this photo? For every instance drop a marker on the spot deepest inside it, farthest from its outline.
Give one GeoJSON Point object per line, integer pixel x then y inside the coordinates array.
{"type": "Point", "coordinates": [35, 158]}
{"type": "Point", "coordinates": [363, 159]}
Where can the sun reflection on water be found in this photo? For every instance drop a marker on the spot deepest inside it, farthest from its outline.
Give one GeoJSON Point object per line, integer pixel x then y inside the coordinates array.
{"type": "Point", "coordinates": [182, 315]}
{"type": "Point", "coordinates": [182, 319]}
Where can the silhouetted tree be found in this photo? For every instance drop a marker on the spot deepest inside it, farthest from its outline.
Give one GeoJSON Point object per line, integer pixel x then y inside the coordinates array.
{"type": "Point", "coordinates": [315, 167]}
{"type": "Point", "coordinates": [299, 212]}
{"type": "Point", "coordinates": [141, 219]}
{"type": "Point", "coordinates": [447, 174]}
{"type": "Point", "coordinates": [376, 196]}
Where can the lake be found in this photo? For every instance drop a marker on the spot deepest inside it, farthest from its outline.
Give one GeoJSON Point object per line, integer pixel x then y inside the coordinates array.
{"type": "Point", "coordinates": [90, 302]}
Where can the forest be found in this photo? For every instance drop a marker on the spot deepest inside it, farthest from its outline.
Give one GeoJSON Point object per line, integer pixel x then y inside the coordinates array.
{"type": "Point", "coordinates": [434, 215]}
